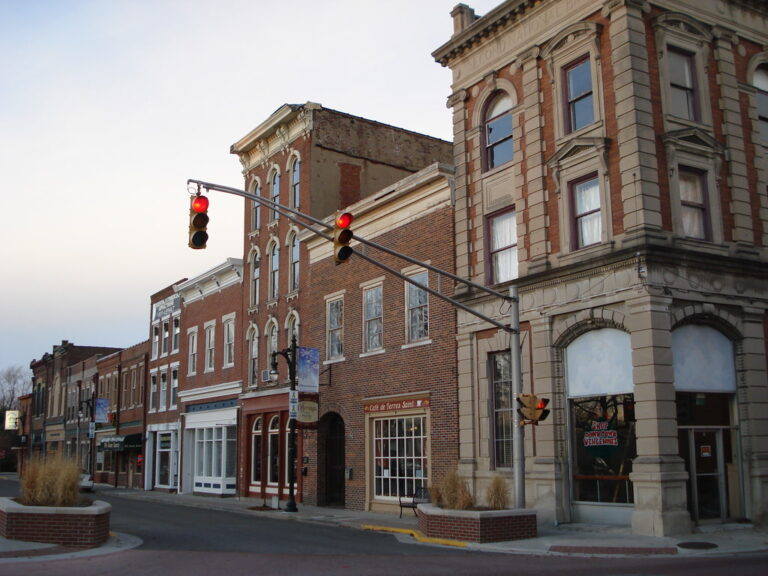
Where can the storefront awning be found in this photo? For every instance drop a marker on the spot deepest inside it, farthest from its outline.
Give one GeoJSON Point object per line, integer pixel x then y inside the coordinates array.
{"type": "Point", "coordinates": [133, 442]}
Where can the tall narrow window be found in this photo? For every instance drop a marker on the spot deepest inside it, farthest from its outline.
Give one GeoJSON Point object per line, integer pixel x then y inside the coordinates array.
{"type": "Point", "coordinates": [163, 391]}
{"type": "Point", "coordinates": [153, 392]}
{"type": "Point", "coordinates": [174, 387]}
{"type": "Point", "coordinates": [335, 328]}
{"type": "Point", "coordinates": [373, 320]}
{"type": "Point", "coordinates": [176, 334]}
{"type": "Point", "coordinates": [166, 334]}
{"type": "Point", "coordinates": [255, 207]}
{"type": "Point", "coordinates": [192, 368]}
{"type": "Point", "coordinates": [133, 388]}
{"type": "Point", "coordinates": [693, 204]}
{"type": "Point", "coordinates": [294, 265]}
{"type": "Point", "coordinates": [503, 243]}
{"type": "Point", "coordinates": [274, 271]}
{"type": "Point", "coordinates": [761, 83]}
{"type": "Point", "coordinates": [209, 347]}
{"type": "Point", "coordinates": [501, 393]}
{"type": "Point", "coordinates": [271, 341]}
{"type": "Point", "coordinates": [256, 451]}
{"type": "Point", "coordinates": [274, 450]}
{"type": "Point", "coordinates": [255, 280]}
{"type": "Point", "coordinates": [682, 84]}
{"type": "Point", "coordinates": [293, 328]}
{"type": "Point", "coordinates": [155, 340]}
{"type": "Point", "coordinates": [579, 96]}
{"type": "Point", "coordinates": [499, 146]}
{"type": "Point", "coordinates": [586, 211]}
{"type": "Point", "coordinates": [229, 343]}
{"type": "Point", "coordinates": [417, 320]}
{"type": "Point", "coordinates": [275, 193]}
{"type": "Point", "coordinates": [253, 372]}
{"type": "Point", "coordinates": [295, 187]}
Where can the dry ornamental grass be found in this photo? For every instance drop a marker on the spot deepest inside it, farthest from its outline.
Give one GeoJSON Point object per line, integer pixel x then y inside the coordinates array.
{"type": "Point", "coordinates": [51, 482]}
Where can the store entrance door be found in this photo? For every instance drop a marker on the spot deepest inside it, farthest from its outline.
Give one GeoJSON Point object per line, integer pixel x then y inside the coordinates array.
{"type": "Point", "coordinates": [707, 445]}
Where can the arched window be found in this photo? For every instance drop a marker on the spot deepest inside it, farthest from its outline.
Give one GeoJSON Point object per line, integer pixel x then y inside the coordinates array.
{"type": "Point", "coordinates": [256, 434]}
{"type": "Point", "coordinates": [253, 358]}
{"type": "Point", "coordinates": [275, 193]}
{"type": "Point", "coordinates": [761, 83]}
{"type": "Point", "coordinates": [274, 270]}
{"type": "Point", "coordinates": [255, 279]}
{"type": "Point", "coordinates": [295, 178]}
{"type": "Point", "coordinates": [293, 272]}
{"type": "Point", "coordinates": [274, 450]}
{"type": "Point", "coordinates": [271, 340]}
{"type": "Point", "coordinates": [499, 147]}
{"type": "Point", "coordinates": [292, 327]}
{"type": "Point", "coordinates": [255, 206]}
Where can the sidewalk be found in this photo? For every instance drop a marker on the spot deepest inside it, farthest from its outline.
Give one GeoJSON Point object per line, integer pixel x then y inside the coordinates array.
{"type": "Point", "coordinates": [565, 539]}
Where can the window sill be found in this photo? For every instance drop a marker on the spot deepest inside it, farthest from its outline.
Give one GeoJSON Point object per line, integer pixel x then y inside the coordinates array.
{"type": "Point", "coordinates": [491, 171]}
{"type": "Point", "coordinates": [416, 344]}
{"type": "Point", "coordinates": [334, 361]}
{"type": "Point", "coordinates": [372, 353]}
{"type": "Point", "coordinates": [590, 130]}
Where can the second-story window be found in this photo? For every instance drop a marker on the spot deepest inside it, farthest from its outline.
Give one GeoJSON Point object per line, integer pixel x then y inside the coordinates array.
{"type": "Point", "coordinates": [229, 342]}
{"type": "Point", "coordinates": [373, 310]}
{"type": "Point", "coordinates": [274, 271]}
{"type": "Point", "coordinates": [586, 211]}
{"type": "Point", "coordinates": [761, 84]}
{"type": "Point", "coordinates": [253, 372]}
{"type": "Point", "coordinates": [335, 329]}
{"type": "Point", "coordinates": [417, 320]}
{"type": "Point", "coordinates": [155, 341]}
{"type": "Point", "coordinates": [209, 347]}
{"type": "Point", "coordinates": [192, 368]}
{"type": "Point", "coordinates": [153, 392]}
{"type": "Point", "coordinates": [174, 387]}
{"type": "Point", "coordinates": [255, 279]}
{"type": "Point", "coordinates": [294, 264]}
{"type": "Point", "coordinates": [503, 246]}
{"type": "Point", "coordinates": [163, 391]}
{"type": "Point", "coordinates": [682, 84]}
{"type": "Point", "coordinates": [693, 200]}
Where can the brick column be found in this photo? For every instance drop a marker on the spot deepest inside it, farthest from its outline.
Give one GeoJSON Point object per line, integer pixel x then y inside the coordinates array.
{"type": "Point", "coordinates": [659, 474]}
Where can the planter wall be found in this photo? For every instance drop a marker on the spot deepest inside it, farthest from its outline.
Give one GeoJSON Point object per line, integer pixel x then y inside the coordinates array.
{"type": "Point", "coordinates": [76, 526]}
{"type": "Point", "coordinates": [477, 525]}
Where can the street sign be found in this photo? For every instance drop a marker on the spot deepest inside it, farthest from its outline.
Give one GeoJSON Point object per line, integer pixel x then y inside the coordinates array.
{"type": "Point", "coordinates": [293, 404]}
{"type": "Point", "coordinates": [91, 430]}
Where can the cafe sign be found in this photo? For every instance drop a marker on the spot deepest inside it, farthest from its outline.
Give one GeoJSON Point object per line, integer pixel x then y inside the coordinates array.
{"type": "Point", "coordinates": [394, 405]}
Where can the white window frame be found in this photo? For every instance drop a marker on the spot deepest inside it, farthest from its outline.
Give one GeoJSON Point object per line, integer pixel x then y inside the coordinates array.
{"type": "Point", "coordinates": [332, 330]}
{"type": "Point", "coordinates": [174, 401]}
{"type": "Point", "coordinates": [253, 358]}
{"type": "Point", "coordinates": [153, 392]}
{"type": "Point", "coordinates": [295, 177]}
{"type": "Point", "coordinates": [155, 340]}
{"type": "Point", "coordinates": [273, 256]}
{"type": "Point", "coordinates": [491, 220]}
{"type": "Point", "coordinates": [255, 277]}
{"type": "Point", "coordinates": [176, 323]}
{"type": "Point", "coordinates": [367, 288]}
{"type": "Point", "coordinates": [192, 351]}
{"type": "Point", "coordinates": [229, 339]}
{"type": "Point", "coordinates": [257, 431]}
{"type": "Point", "coordinates": [255, 206]}
{"type": "Point", "coordinates": [410, 338]}
{"type": "Point", "coordinates": [209, 329]}
{"type": "Point", "coordinates": [163, 404]}
{"type": "Point", "coordinates": [294, 257]}
{"type": "Point", "coordinates": [274, 195]}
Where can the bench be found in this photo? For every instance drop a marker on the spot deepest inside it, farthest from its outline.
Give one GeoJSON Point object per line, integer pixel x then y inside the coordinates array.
{"type": "Point", "coordinates": [412, 501]}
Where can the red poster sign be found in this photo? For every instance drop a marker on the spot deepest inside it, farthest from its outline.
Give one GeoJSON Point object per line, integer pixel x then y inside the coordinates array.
{"type": "Point", "coordinates": [392, 405]}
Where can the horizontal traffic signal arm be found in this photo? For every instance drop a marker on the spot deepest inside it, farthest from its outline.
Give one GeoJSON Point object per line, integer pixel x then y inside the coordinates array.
{"type": "Point", "coordinates": [297, 216]}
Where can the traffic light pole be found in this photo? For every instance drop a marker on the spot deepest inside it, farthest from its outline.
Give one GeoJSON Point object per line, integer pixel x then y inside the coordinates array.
{"type": "Point", "coordinates": [518, 430]}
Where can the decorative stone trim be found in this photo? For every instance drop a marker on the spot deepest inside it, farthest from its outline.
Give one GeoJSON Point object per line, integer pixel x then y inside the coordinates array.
{"type": "Point", "coordinates": [75, 526]}
{"type": "Point", "coordinates": [477, 525]}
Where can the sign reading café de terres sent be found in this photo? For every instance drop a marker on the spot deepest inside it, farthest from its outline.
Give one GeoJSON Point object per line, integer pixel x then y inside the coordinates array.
{"type": "Point", "coordinates": [390, 405]}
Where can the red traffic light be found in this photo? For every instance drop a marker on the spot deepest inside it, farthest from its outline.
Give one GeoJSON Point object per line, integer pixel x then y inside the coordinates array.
{"type": "Point", "coordinates": [344, 220]}
{"type": "Point", "coordinates": [200, 204]}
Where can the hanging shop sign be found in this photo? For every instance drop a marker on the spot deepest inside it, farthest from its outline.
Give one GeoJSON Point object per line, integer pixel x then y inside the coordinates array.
{"type": "Point", "coordinates": [308, 412]}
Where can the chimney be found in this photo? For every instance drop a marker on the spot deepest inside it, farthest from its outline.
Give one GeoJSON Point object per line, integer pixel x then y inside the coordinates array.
{"type": "Point", "coordinates": [463, 17]}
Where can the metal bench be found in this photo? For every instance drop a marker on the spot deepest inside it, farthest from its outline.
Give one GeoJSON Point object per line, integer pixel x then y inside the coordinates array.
{"type": "Point", "coordinates": [412, 501]}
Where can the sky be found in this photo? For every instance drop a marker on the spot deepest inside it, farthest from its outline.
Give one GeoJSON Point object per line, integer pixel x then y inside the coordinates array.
{"type": "Point", "coordinates": [107, 107]}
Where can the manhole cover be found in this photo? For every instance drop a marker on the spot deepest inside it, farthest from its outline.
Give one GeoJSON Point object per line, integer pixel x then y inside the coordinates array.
{"type": "Point", "coordinates": [697, 545]}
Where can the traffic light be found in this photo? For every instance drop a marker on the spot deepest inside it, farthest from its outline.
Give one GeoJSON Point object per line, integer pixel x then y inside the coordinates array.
{"type": "Point", "coordinates": [541, 410]}
{"type": "Point", "coordinates": [527, 409]}
{"type": "Point", "coordinates": [342, 236]}
{"type": "Point", "coordinates": [198, 221]}
{"type": "Point", "coordinates": [532, 409]}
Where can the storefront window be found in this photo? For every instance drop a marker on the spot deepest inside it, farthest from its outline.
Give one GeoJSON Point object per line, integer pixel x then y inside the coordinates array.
{"type": "Point", "coordinates": [164, 459]}
{"type": "Point", "coordinates": [604, 447]}
{"type": "Point", "coordinates": [274, 450]}
{"type": "Point", "coordinates": [401, 455]}
{"type": "Point", "coordinates": [256, 452]}
{"type": "Point", "coordinates": [215, 457]}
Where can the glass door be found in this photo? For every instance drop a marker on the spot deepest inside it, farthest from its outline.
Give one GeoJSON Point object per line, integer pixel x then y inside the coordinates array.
{"type": "Point", "coordinates": [707, 485]}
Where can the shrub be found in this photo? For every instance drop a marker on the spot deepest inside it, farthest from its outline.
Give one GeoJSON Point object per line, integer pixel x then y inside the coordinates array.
{"type": "Point", "coordinates": [453, 493]}
{"type": "Point", "coordinates": [51, 482]}
{"type": "Point", "coordinates": [497, 494]}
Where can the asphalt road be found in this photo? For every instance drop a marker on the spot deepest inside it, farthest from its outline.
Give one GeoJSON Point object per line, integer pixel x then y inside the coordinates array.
{"type": "Point", "coordinates": [195, 541]}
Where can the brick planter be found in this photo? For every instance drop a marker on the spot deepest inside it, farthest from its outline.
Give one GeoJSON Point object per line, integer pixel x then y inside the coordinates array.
{"type": "Point", "coordinates": [76, 526]}
{"type": "Point", "coordinates": [477, 525]}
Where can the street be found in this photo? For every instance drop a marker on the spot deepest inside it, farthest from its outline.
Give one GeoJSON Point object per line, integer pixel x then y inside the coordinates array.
{"type": "Point", "coordinates": [198, 541]}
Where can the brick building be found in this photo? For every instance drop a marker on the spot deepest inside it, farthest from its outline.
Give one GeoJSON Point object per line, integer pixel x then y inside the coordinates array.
{"type": "Point", "coordinates": [120, 423]}
{"type": "Point", "coordinates": [209, 379]}
{"type": "Point", "coordinates": [611, 161]}
{"type": "Point", "coordinates": [317, 161]}
{"type": "Point", "coordinates": [387, 394]}
{"type": "Point", "coordinates": [162, 421]}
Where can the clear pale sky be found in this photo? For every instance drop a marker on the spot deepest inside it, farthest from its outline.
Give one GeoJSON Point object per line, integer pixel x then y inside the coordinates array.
{"type": "Point", "coordinates": [108, 107]}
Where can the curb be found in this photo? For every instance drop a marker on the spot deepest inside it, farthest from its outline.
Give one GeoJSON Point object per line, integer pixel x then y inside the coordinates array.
{"type": "Point", "coordinates": [416, 535]}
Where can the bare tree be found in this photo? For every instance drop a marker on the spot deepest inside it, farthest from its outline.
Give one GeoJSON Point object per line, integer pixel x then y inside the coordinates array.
{"type": "Point", "coordinates": [15, 381]}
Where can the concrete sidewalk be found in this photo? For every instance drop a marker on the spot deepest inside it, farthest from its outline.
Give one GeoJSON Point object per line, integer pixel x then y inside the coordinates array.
{"type": "Point", "coordinates": [565, 539]}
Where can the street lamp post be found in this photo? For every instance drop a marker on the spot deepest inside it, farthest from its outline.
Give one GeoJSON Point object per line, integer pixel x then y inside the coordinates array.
{"type": "Point", "coordinates": [91, 404]}
{"type": "Point", "coordinates": [290, 357]}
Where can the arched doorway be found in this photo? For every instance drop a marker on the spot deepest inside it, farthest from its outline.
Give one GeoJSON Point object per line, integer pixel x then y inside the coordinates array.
{"type": "Point", "coordinates": [333, 448]}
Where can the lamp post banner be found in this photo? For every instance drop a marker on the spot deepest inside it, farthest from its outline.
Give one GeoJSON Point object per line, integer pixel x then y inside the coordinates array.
{"type": "Point", "coordinates": [101, 414]}
{"type": "Point", "coordinates": [308, 368]}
